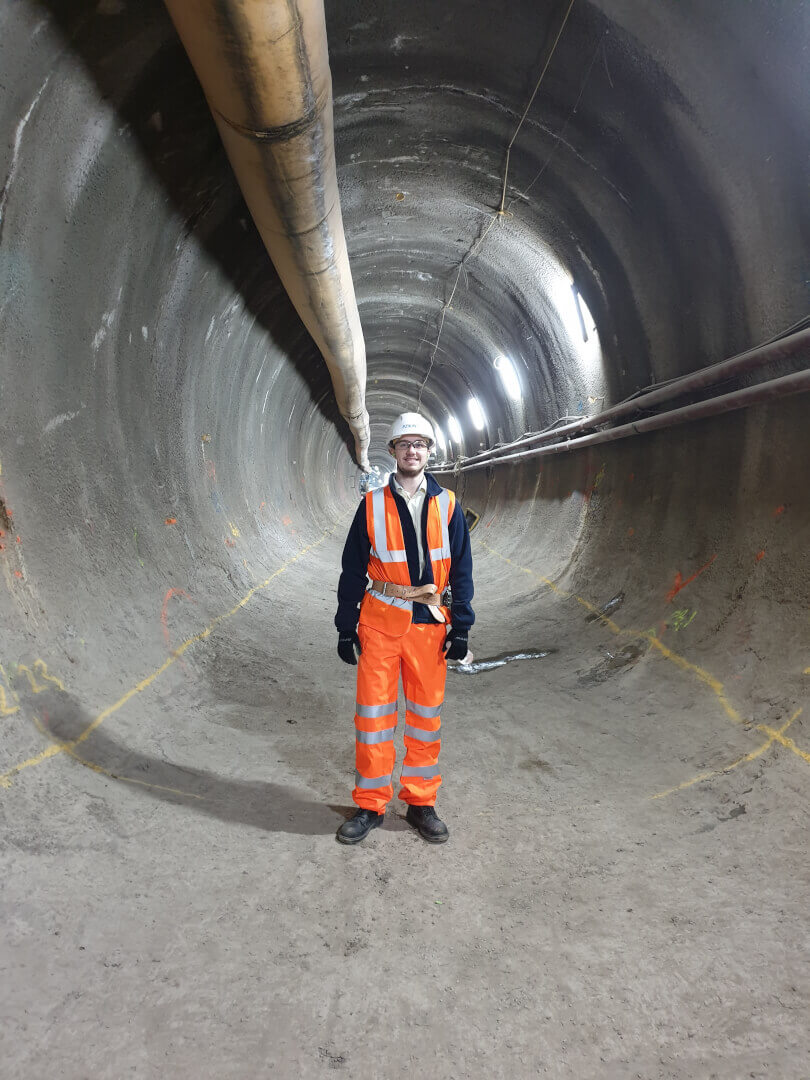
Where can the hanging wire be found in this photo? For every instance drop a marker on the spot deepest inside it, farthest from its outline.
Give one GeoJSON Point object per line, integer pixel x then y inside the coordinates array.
{"type": "Point", "coordinates": [501, 212]}
{"type": "Point", "coordinates": [561, 133]}
{"type": "Point", "coordinates": [501, 209]}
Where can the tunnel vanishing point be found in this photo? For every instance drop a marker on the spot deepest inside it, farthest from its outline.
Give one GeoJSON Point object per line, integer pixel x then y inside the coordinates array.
{"type": "Point", "coordinates": [578, 239]}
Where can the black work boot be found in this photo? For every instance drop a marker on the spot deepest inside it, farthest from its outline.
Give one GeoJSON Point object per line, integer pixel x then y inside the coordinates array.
{"type": "Point", "coordinates": [426, 822]}
{"type": "Point", "coordinates": [358, 827]}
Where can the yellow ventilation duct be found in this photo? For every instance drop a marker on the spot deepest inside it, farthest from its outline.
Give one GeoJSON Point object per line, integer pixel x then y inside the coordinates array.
{"type": "Point", "coordinates": [264, 68]}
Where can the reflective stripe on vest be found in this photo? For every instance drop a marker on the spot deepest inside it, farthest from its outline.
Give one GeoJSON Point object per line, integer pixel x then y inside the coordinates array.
{"type": "Point", "coordinates": [394, 601]}
{"type": "Point", "coordinates": [443, 499]}
{"type": "Point", "coordinates": [388, 558]}
{"type": "Point", "coordinates": [379, 548]}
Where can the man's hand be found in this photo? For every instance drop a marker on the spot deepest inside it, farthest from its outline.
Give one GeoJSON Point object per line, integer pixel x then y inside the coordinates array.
{"type": "Point", "coordinates": [455, 647]}
{"type": "Point", "coordinates": [347, 643]}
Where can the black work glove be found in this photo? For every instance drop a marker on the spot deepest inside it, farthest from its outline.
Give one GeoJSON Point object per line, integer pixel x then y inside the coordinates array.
{"type": "Point", "coordinates": [347, 643]}
{"type": "Point", "coordinates": [455, 646]}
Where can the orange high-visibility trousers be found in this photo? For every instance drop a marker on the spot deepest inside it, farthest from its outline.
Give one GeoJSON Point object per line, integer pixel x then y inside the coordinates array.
{"type": "Point", "coordinates": [419, 657]}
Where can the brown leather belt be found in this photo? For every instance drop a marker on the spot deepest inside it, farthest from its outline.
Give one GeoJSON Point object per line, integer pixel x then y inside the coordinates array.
{"type": "Point", "coordinates": [422, 594]}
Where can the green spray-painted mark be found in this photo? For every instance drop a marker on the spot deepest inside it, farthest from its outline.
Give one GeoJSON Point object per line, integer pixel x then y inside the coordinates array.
{"type": "Point", "coordinates": [682, 618]}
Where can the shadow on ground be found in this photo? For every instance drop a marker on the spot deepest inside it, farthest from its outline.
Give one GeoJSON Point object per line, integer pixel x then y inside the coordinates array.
{"type": "Point", "coordinates": [269, 806]}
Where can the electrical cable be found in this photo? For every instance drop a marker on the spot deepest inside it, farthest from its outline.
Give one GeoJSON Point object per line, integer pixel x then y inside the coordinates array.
{"type": "Point", "coordinates": [500, 212]}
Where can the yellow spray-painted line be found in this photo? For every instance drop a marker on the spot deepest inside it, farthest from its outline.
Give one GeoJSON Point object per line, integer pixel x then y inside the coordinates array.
{"type": "Point", "coordinates": [704, 676]}
{"type": "Point", "coordinates": [773, 736]}
{"type": "Point", "coordinates": [68, 749]}
{"type": "Point", "coordinates": [174, 656]}
{"type": "Point", "coordinates": [40, 672]}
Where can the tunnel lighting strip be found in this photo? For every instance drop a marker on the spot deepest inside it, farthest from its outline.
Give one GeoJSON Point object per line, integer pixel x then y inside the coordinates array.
{"type": "Point", "coordinates": [740, 399]}
{"type": "Point", "coordinates": [782, 349]}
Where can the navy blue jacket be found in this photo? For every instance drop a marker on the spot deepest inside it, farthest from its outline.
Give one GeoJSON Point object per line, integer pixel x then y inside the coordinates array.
{"type": "Point", "coordinates": [354, 578]}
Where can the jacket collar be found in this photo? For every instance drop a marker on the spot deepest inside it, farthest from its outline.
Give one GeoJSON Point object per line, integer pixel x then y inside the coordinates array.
{"type": "Point", "coordinates": [433, 487]}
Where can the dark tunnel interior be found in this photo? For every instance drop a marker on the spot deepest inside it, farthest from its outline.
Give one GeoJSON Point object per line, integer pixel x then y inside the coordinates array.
{"type": "Point", "coordinates": [623, 895]}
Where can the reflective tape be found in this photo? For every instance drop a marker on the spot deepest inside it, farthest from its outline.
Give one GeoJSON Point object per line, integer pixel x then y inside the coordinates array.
{"type": "Point", "coordinates": [427, 772]}
{"type": "Point", "coordinates": [421, 735]}
{"type": "Point", "coordinates": [443, 499]}
{"type": "Point", "coordinates": [372, 712]}
{"type": "Point", "coordinates": [392, 601]}
{"type": "Point", "coordinates": [427, 712]}
{"type": "Point", "coordinates": [439, 553]}
{"type": "Point", "coordinates": [380, 548]}
{"type": "Point", "coordinates": [368, 783]}
{"type": "Point", "coordinates": [371, 738]}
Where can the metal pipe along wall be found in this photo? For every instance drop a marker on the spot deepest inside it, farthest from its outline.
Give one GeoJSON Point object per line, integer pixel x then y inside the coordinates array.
{"type": "Point", "coordinates": [264, 68]}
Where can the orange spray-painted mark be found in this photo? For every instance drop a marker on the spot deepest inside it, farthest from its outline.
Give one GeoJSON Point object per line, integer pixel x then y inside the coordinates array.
{"type": "Point", "coordinates": [286, 521]}
{"type": "Point", "coordinates": [779, 510]}
{"type": "Point", "coordinates": [170, 521]}
{"type": "Point", "coordinates": [680, 583]}
{"type": "Point", "coordinates": [18, 573]}
{"type": "Point", "coordinates": [631, 531]}
{"type": "Point", "coordinates": [164, 616]}
{"type": "Point", "coordinates": [760, 555]}
{"type": "Point", "coordinates": [229, 542]}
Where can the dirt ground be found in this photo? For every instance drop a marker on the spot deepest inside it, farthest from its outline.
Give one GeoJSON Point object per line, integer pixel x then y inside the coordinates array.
{"type": "Point", "coordinates": [186, 911]}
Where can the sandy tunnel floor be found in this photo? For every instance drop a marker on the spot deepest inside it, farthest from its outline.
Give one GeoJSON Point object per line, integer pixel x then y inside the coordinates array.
{"type": "Point", "coordinates": [198, 919]}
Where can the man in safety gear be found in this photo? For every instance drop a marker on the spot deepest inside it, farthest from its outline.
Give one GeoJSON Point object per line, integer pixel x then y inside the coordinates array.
{"type": "Point", "coordinates": [410, 538]}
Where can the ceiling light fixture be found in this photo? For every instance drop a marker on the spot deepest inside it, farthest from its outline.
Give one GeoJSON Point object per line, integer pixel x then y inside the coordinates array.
{"type": "Point", "coordinates": [511, 383]}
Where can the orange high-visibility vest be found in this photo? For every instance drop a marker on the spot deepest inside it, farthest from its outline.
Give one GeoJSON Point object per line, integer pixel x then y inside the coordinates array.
{"type": "Point", "coordinates": [389, 561]}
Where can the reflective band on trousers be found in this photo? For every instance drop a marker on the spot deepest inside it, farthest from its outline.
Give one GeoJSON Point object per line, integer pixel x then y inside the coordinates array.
{"type": "Point", "coordinates": [380, 548]}
{"type": "Point", "coordinates": [371, 738]}
{"type": "Point", "coordinates": [425, 711]}
{"type": "Point", "coordinates": [427, 772]}
{"type": "Point", "coordinates": [371, 712]}
{"type": "Point", "coordinates": [420, 734]}
{"type": "Point", "coordinates": [371, 782]}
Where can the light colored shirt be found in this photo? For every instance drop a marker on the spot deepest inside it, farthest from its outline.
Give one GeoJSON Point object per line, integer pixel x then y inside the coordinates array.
{"type": "Point", "coordinates": [415, 503]}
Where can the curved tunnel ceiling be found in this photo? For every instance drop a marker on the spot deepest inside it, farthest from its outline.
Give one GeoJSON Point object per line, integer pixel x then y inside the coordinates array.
{"type": "Point", "coordinates": [633, 180]}
{"type": "Point", "coordinates": [171, 458]}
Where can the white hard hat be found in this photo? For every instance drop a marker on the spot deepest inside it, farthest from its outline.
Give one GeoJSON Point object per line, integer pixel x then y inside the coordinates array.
{"type": "Point", "coordinates": [411, 423]}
